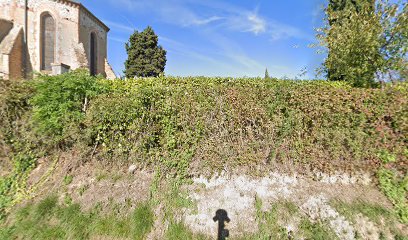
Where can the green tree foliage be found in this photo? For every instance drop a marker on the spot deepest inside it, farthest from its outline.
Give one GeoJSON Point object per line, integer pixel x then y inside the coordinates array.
{"type": "Point", "coordinates": [394, 38]}
{"type": "Point", "coordinates": [145, 57]}
{"type": "Point", "coordinates": [354, 5]}
{"type": "Point", "coordinates": [365, 40]}
{"type": "Point", "coordinates": [60, 101]}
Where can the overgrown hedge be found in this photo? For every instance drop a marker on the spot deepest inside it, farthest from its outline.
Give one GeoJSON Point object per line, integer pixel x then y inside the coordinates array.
{"type": "Point", "coordinates": [202, 125]}
{"type": "Point", "coordinates": [216, 123]}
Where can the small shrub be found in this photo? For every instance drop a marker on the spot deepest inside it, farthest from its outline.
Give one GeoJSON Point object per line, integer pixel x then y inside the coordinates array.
{"type": "Point", "coordinates": [387, 157]}
{"type": "Point", "coordinates": [396, 189]}
{"type": "Point", "coordinates": [60, 101]}
{"type": "Point", "coordinates": [68, 179]}
{"type": "Point", "coordinates": [82, 189]}
{"type": "Point", "coordinates": [45, 208]}
{"type": "Point", "coordinates": [23, 163]}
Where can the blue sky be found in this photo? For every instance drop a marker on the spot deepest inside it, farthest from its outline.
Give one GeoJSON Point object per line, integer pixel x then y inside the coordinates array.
{"type": "Point", "coordinates": [219, 37]}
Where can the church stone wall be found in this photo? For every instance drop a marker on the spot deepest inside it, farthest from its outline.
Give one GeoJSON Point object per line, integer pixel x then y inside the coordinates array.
{"type": "Point", "coordinates": [5, 27]}
{"type": "Point", "coordinates": [66, 20]}
{"type": "Point", "coordinates": [16, 57]}
{"type": "Point", "coordinates": [11, 54]}
{"type": "Point", "coordinates": [87, 26]}
{"type": "Point", "coordinates": [74, 25]}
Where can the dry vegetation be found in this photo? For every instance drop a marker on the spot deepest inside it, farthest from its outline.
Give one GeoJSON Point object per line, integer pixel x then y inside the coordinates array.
{"type": "Point", "coordinates": [199, 126]}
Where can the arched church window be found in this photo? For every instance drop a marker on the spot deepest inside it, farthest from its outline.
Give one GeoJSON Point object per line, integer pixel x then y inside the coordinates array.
{"type": "Point", "coordinates": [47, 39]}
{"type": "Point", "coordinates": [93, 66]}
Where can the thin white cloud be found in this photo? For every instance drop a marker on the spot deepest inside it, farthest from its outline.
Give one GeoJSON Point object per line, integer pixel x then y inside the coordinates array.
{"type": "Point", "coordinates": [279, 31]}
{"type": "Point", "coordinates": [229, 49]}
{"type": "Point", "coordinates": [127, 4]}
{"type": "Point", "coordinates": [246, 62]}
{"type": "Point", "coordinates": [119, 26]}
{"type": "Point", "coordinates": [229, 16]}
{"type": "Point", "coordinates": [206, 21]}
{"type": "Point", "coordinates": [317, 14]}
{"type": "Point", "coordinates": [258, 25]}
{"type": "Point", "coordinates": [246, 22]}
{"type": "Point", "coordinates": [171, 11]}
{"type": "Point", "coordinates": [117, 39]}
{"type": "Point", "coordinates": [130, 30]}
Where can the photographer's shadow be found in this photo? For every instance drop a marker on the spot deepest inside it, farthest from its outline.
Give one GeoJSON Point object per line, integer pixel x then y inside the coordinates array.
{"type": "Point", "coordinates": [222, 216]}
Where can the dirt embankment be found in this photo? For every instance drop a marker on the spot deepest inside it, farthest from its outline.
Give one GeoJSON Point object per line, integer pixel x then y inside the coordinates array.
{"type": "Point", "coordinates": [242, 198]}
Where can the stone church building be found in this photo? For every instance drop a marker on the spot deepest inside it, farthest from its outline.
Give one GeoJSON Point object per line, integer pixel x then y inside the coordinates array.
{"type": "Point", "coordinates": [50, 36]}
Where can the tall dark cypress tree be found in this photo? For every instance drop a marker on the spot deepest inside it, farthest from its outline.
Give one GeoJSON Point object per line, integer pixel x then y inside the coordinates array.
{"type": "Point", "coordinates": [145, 57]}
{"type": "Point", "coordinates": [267, 74]}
